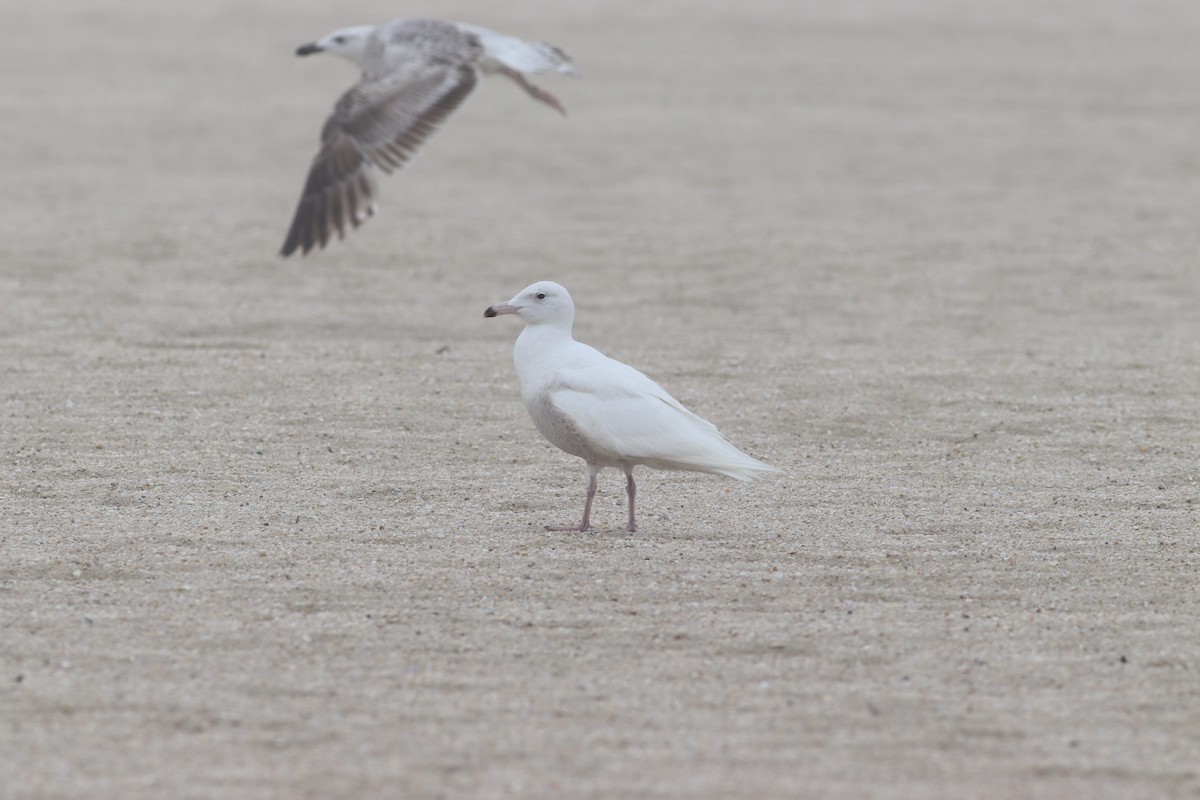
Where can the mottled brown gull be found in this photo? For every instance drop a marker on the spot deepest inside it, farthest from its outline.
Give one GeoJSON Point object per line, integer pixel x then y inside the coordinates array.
{"type": "Point", "coordinates": [604, 411]}
{"type": "Point", "coordinates": [415, 73]}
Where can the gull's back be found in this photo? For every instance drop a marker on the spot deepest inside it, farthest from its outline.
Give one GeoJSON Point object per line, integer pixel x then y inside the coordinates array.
{"type": "Point", "coordinates": [428, 40]}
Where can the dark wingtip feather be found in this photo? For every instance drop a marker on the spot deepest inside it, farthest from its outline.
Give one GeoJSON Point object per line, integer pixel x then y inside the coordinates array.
{"type": "Point", "coordinates": [290, 243]}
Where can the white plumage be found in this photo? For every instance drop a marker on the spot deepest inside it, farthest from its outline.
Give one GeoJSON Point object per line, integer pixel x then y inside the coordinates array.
{"type": "Point", "coordinates": [602, 410]}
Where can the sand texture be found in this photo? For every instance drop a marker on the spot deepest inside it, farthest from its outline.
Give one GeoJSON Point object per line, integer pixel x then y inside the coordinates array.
{"type": "Point", "coordinates": [274, 529]}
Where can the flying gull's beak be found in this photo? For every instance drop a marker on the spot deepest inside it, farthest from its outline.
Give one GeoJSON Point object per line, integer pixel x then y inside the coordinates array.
{"type": "Point", "coordinates": [308, 49]}
{"type": "Point", "coordinates": [500, 308]}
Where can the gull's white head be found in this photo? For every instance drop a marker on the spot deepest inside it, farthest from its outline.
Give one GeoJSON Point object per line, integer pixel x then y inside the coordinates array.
{"type": "Point", "coordinates": [538, 304]}
{"type": "Point", "coordinates": [349, 43]}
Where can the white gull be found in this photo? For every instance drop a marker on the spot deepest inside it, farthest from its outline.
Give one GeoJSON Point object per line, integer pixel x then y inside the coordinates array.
{"type": "Point", "coordinates": [415, 72]}
{"type": "Point", "coordinates": [602, 410]}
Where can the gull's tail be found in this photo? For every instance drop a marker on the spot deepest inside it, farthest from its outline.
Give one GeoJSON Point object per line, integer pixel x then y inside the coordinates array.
{"type": "Point", "coordinates": [518, 54]}
{"type": "Point", "coordinates": [690, 442]}
{"type": "Point", "coordinates": [722, 458]}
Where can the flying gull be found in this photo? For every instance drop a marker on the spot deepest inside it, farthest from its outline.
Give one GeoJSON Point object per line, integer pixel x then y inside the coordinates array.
{"type": "Point", "coordinates": [603, 411]}
{"type": "Point", "coordinates": [415, 72]}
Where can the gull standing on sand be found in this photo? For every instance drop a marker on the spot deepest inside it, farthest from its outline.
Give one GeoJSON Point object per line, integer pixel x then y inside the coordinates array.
{"type": "Point", "coordinates": [603, 411]}
{"type": "Point", "coordinates": [415, 72]}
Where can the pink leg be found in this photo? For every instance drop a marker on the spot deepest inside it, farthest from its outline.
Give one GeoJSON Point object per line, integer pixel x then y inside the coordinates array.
{"type": "Point", "coordinates": [587, 506]}
{"type": "Point", "coordinates": [535, 92]}
{"type": "Point", "coordinates": [631, 491]}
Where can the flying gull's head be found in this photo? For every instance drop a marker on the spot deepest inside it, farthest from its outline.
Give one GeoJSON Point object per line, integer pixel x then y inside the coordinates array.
{"type": "Point", "coordinates": [542, 302]}
{"type": "Point", "coordinates": [349, 43]}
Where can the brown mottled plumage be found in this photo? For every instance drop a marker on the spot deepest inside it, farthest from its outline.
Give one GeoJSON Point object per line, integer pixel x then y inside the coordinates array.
{"type": "Point", "coordinates": [416, 72]}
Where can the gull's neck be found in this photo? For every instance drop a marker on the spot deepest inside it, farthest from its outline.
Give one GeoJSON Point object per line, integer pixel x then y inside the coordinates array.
{"type": "Point", "coordinates": [540, 347]}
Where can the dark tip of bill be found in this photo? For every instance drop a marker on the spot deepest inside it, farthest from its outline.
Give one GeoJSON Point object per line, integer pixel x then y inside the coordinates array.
{"type": "Point", "coordinates": [490, 312]}
{"type": "Point", "coordinates": [308, 49]}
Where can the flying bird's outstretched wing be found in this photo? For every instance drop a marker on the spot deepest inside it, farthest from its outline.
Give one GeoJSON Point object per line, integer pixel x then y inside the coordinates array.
{"type": "Point", "coordinates": [380, 122]}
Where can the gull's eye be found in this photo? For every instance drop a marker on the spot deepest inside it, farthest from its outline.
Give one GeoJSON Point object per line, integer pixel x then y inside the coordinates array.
{"type": "Point", "coordinates": [339, 39]}
{"type": "Point", "coordinates": [540, 295]}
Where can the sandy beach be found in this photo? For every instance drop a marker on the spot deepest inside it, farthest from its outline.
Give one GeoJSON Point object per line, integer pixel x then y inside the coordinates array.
{"type": "Point", "coordinates": [274, 528]}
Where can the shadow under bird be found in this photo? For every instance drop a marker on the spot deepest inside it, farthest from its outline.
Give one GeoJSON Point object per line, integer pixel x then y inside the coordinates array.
{"type": "Point", "coordinates": [415, 73]}
{"type": "Point", "coordinates": [604, 411]}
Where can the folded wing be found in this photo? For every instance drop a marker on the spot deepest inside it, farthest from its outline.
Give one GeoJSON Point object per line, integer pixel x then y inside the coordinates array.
{"type": "Point", "coordinates": [627, 417]}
